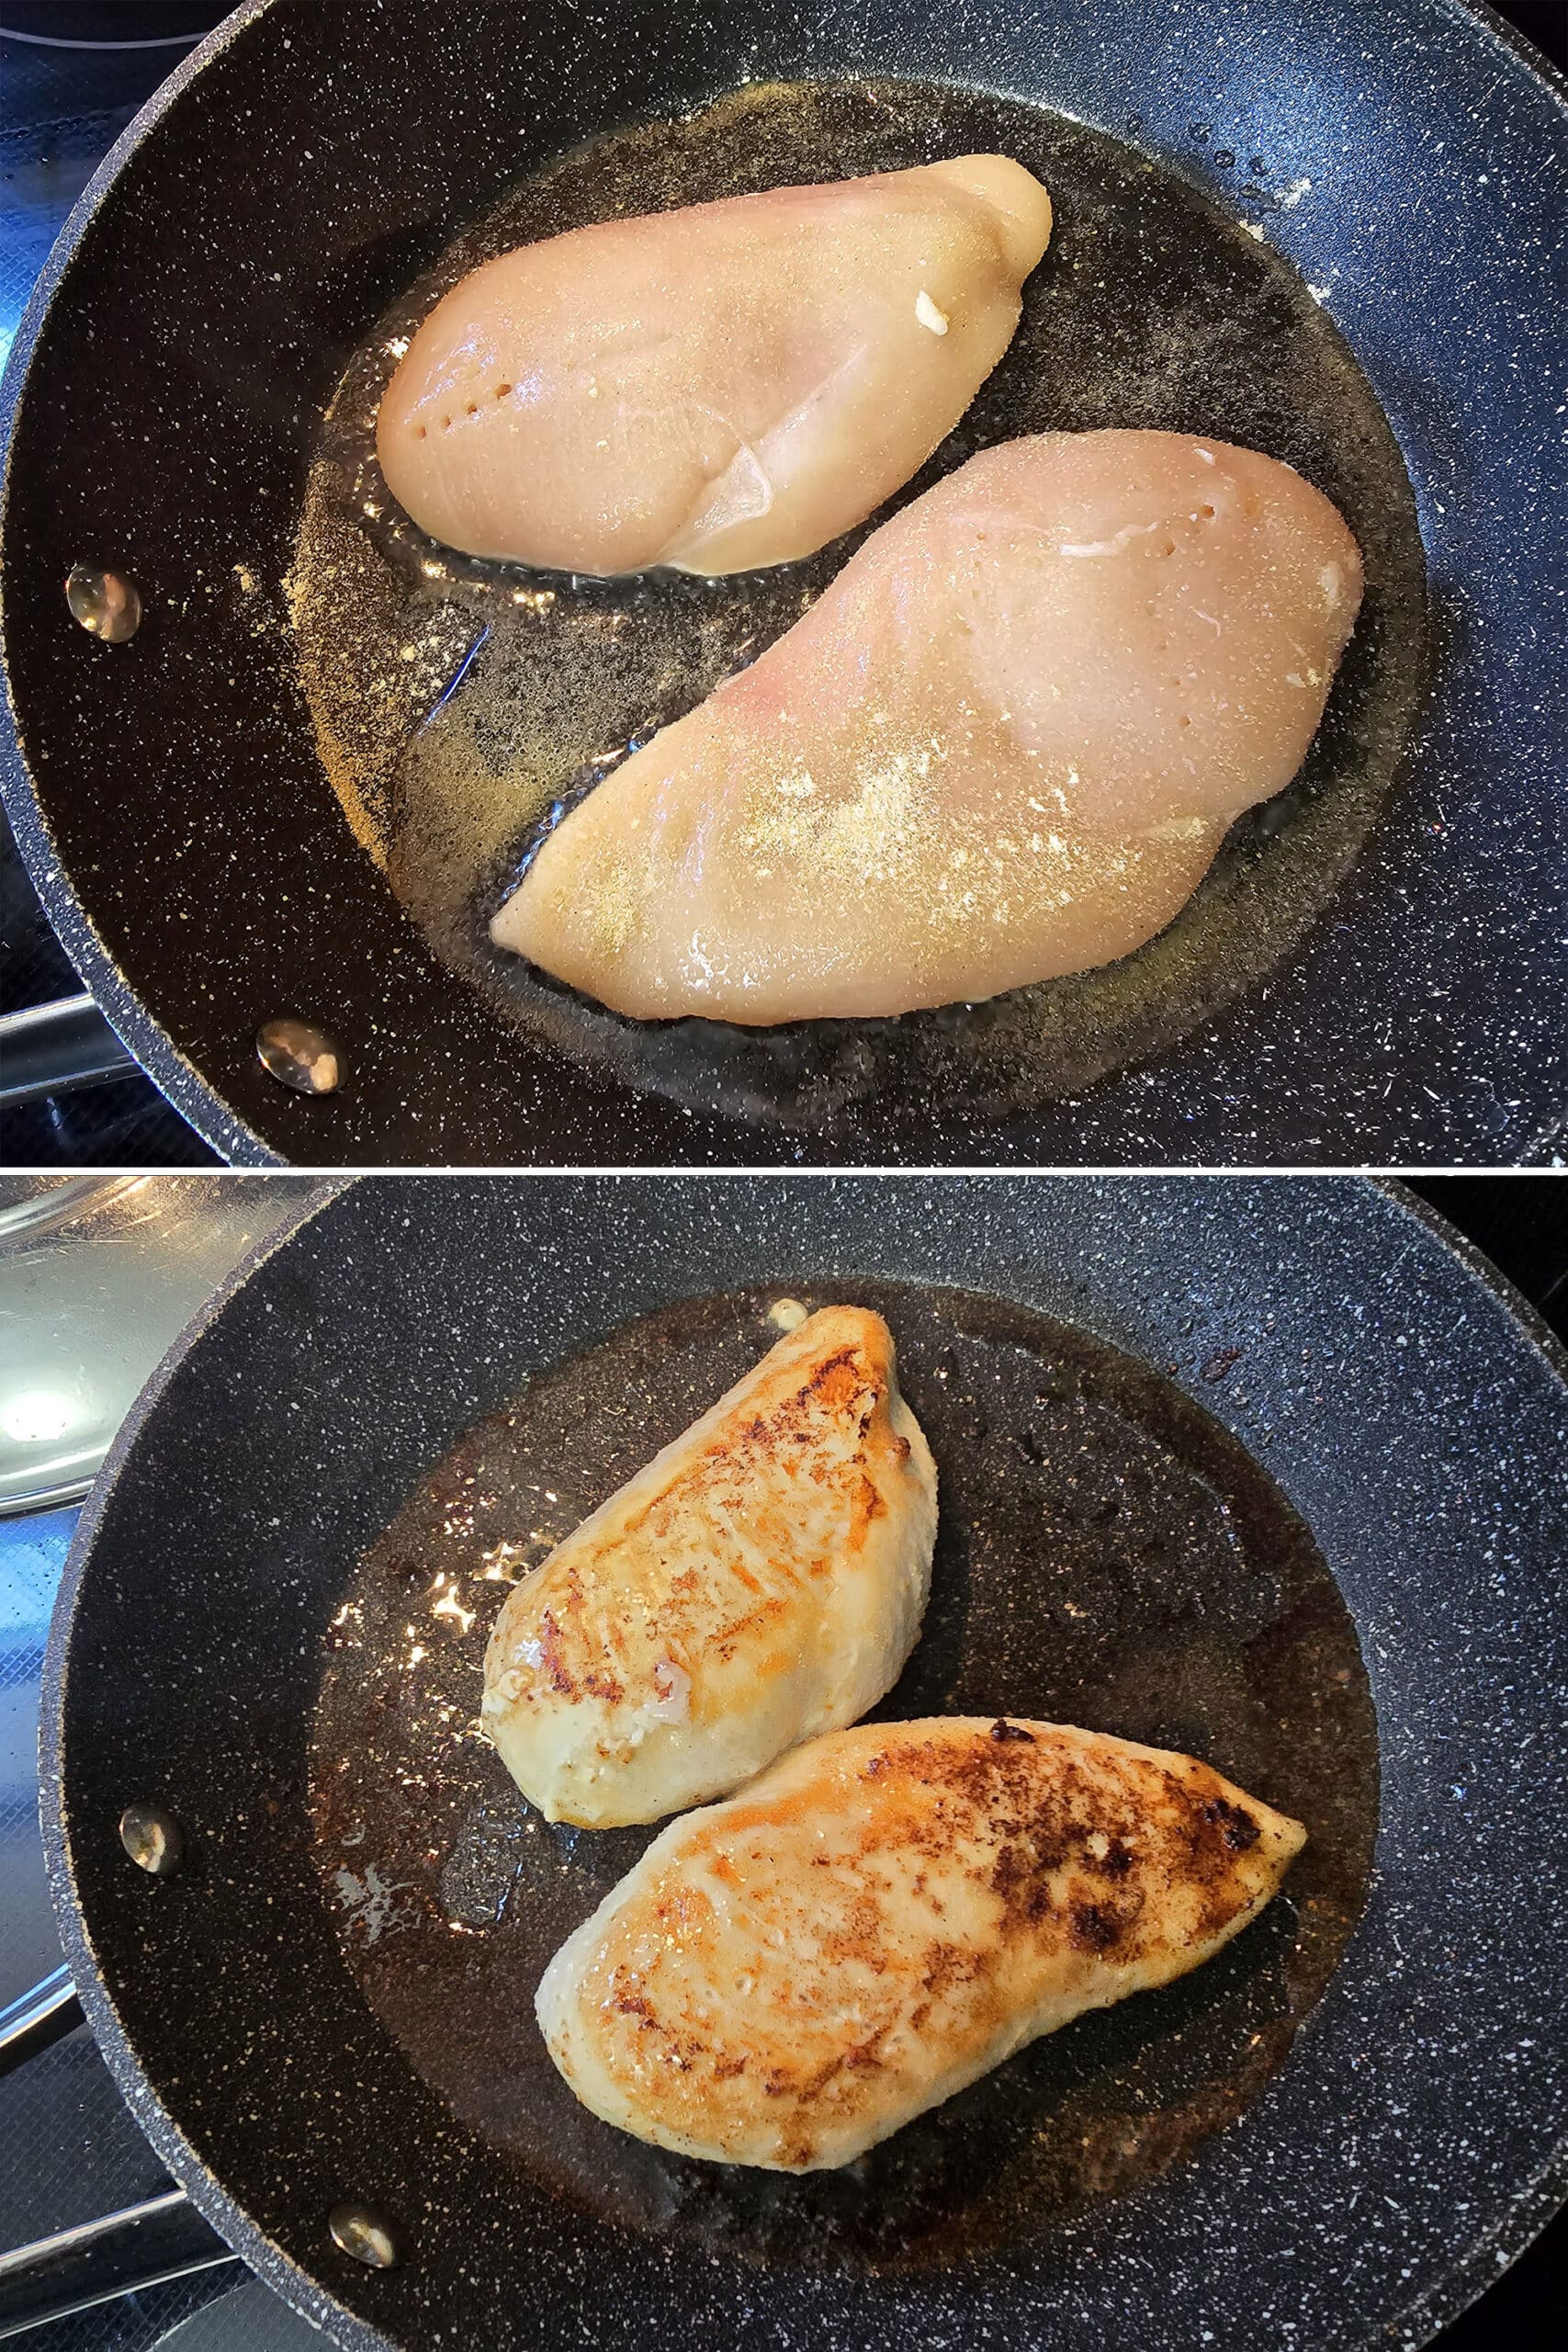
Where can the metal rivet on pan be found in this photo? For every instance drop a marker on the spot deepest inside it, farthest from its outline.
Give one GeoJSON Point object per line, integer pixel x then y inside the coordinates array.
{"type": "Point", "coordinates": [152, 1838]}
{"type": "Point", "coordinates": [105, 603]}
{"type": "Point", "coordinates": [365, 2235]}
{"type": "Point", "coordinates": [300, 1054]}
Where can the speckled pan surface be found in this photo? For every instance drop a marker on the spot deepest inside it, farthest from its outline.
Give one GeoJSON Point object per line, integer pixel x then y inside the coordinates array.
{"type": "Point", "coordinates": [1401, 1401]}
{"type": "Point", "coordinates": [309, 162]}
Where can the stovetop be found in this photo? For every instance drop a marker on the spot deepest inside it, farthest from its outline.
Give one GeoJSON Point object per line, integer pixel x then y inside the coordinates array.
{"type": "Point", "coordinates": [69, 2150]}
{"type": "Point", "coordinates": [64, 109]}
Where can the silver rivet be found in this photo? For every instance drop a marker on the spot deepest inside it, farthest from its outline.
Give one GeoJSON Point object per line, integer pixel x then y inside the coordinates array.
{"type": "Point", "coordinates": [105, 603]}
{"type": "Point", "coordinates": [300, 1054]}
{"type": "Point", "coordinates": [363, 2236]}
{"type": "Point", "coordinates": [152, 1838]}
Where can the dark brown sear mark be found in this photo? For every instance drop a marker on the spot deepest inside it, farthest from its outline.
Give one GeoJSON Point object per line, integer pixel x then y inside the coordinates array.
{"type": "Point", "coordinates": [1021, 1879]}
{"type": "Point", "coordinates": [1107, 1555]}
{"type": "Point", "coordinates": [1095, 1928]}
{"type": "Point", "coordinates": [1237, 1827]}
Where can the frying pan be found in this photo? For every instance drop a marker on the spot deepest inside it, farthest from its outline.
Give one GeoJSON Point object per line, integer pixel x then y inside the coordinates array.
{"type": "Point", "coordinates": [1330, 1558]}
{"type": "Point", "coordinates": [1400, 999]}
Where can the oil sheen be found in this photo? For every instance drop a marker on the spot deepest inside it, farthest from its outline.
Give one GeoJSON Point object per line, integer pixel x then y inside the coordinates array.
{"type": "Point", "coordinates": [462, 707]}
{"type": "Point", "coordinates": [1107, 1555]}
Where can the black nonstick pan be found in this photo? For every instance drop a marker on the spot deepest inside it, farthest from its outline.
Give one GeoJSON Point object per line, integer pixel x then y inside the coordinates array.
{"type": "Point", "coordinates": [1339, 233]}
{"type": "Point", "coordinates": [1268, 1471]}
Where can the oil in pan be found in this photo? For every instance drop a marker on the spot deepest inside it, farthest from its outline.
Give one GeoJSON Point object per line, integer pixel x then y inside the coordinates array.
{"type": "Point", "coordinates": [1107, 1555]}
{"type": "Point", "coordinates": [462, 707]}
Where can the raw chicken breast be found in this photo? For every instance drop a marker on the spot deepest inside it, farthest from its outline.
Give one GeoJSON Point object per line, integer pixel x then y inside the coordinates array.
{"type": "Point", "coordinates": [763, 1579]}
{"type": "Point", "coordinates": [785, 1979]}
{"type": "Point", "coordinates": [1004, 744]}
{"type": "Point", "coordinates": [717, 387]}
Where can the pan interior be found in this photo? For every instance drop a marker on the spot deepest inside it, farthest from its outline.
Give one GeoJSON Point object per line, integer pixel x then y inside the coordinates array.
{"type": "Point", "coordinates": [1107, 1555]}
{"type": "Point", "coordinates": [461, 709]}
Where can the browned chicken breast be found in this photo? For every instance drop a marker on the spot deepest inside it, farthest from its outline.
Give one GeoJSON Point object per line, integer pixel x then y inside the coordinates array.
{"type": "Point", "coordinates": [785, 1979]}
{"type": "Point", "coordinates": [763, 1579]}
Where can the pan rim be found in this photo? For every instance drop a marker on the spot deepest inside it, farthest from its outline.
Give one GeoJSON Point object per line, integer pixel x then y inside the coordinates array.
{"type": "Point", "coordinates": [176, 1075]}
{"type": "Point", "coordinates": [196, 1097]}
{"type": "Point", "coordinates": [1527, 2207]}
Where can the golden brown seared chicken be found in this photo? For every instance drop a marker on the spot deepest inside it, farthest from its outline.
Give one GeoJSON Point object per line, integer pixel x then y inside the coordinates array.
{"type": "Point", "coordinates": [762, 1580]}
{"type": "Point", "coordinates": [720, 387]}
{"type": "Point", "coordinates": [785, 1979]}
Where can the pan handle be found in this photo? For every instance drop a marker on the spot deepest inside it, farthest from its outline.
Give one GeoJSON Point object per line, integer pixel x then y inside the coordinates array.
{"type": "Point", "coordinates": [142, 2246]}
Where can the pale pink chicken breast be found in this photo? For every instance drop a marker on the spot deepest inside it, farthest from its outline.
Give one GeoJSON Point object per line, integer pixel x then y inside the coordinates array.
{"type": "Point", "coordinates": [719, 387]}
{"type": "Point", "coordinates": [1004, 744]}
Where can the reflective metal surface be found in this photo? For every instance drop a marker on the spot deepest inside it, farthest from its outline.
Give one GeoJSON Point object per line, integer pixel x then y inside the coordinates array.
{"type": "Point", "coordinates": [42, 2012]}
{"type": "Point", "coordinates": [97, 2262]}
{"type": "Point", "coordinates": [300, 1055]}
{"type": "Point", "coordinates": [51, 1048]}
{"type": "Point", "coordinates": [98, 1275]}
{"type": "Point", "coordinates": [152, 1838]}
{"type": "Point", "coordinates": [365, 2235]}
{"type": "Point", "coordinates": [106, 604]}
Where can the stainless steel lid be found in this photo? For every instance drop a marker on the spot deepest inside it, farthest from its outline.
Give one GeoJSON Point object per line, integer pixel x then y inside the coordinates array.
{"type": "Point", "coordinates": [97, 1275]}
